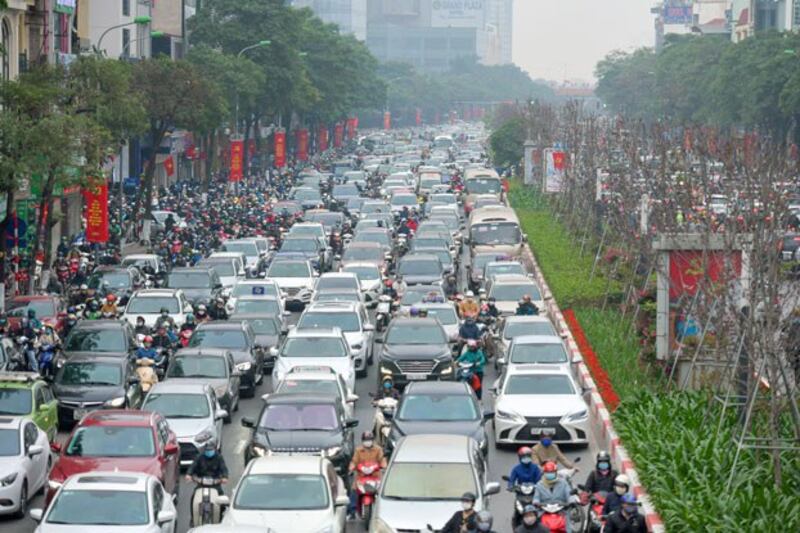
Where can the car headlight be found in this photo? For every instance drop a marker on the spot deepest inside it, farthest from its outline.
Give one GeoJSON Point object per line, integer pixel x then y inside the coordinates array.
{"type": "Point", "coordinates": [220, 391]}
{"type": "Point", "coordinates": [115, 402]}
{"type": "Point", "coordinates": [356, 347]}
{"type": "Point", "coordinates": [203, 436]}
{"type": "Point", "coordinates": [8, 480]}
{"type": "Point", "coordinates": [446, 370]}
{"type": "Point", "coordinates": [244, 367]}
{"type": "Point", "coordinates": [332, 451]}
{"type": "Point", "coordinates": [261, 451]}
{"type": "Point", "coordinates": [580, 415]}
{"type": "Point", "coordinates": [507, 415]}
{"type": "Point", "coordinates": [53, 485]}
{"type": "Point", "coordinates": [385, 369]}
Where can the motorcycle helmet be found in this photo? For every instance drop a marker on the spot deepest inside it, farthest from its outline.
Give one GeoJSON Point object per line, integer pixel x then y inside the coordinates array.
{"type": "Point", "coordinates": [468, 497]}
{"type": "Point", "coordinates": [622, 481]}
{"type": "Point", "coordinates": [210, 444]}
{"type": "Point", "coordinates": [603, 460]}
{"type": "Point", "coordinates": [524, 451]}
{"type": "Point", "coordinates": [84, 287]}
{"type": "Point", "coordinates": [367, 435]}
{"type": "Point", "coordinates": [93, 305]}
{"type": "Point", "coordinates": [549, 467]}
{"type": "Point", "coordinates": [164, 311]}
{"type": "Point", "coordinates": [629, 502]}
{"type": "Point", "coordinates": [388, 282]}
{"type": "Point", "coordinates": [189, 318]}
{"type": "Point", "coordinates": [202, 308]}
{"type": "Point", "coordinates": [147, 339]}
{"type": "Point", "coordinates": [472, 344]}
{"type": "Point", "coordinates": [414, 311]}
{"type": "Point", "coordinates": [526, 298]}
{"type": "Point", "coordinates": [484, 521]}
{"type": "Point", "coordinates": [111, 298]}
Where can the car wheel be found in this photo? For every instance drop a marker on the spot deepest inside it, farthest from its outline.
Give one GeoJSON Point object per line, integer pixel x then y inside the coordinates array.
{"type": "Point", "coordinates": [23, 501]}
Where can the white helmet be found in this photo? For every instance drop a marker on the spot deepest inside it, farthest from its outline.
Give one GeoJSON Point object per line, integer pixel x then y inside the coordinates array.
{"type": "Point", "coordinates": [622, 479]}
{"type": "Point", "coordinates": [469, 294]}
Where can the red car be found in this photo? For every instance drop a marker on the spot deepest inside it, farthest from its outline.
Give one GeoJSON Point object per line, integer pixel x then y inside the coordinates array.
{"type": "Point", "coordinates": [50, 310]}
{"type": "Point", "coordinates": [129, 441]}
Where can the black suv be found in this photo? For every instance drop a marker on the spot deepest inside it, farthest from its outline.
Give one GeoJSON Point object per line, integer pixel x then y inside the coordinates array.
{"type": "Point", "coordinates": [305, 423]}
{"type": "Point", "coordinates": [415, 349]}
{"type": "Point", "coordinates": [201, 285]}
{"type": "Point", "coordinates": [110, 338]}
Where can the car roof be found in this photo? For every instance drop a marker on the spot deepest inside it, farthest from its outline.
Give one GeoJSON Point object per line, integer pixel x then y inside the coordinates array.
{"type": "Point", "coordinates": [348, 275]}
{"type": "Point", "coordinates": [94, 358]}
{"type": "Point", "coordinates": [118, 417]}
{"type": "Point", "coordinates": [33, 298]}
{"type": "Point", "coordinates": [139, 256]}
{"type": "Point", "coordinates": [413, 256]}
{"type": "Point", "coordinates": [117, 481]}
{"type": "Point", "coordinates": [437, 387]}
{"type": "Point", "coordinates": [99, 324]}
{"type": "Point", "coordinates": [156, 293]}
{"type": "Point", "coordinates": [538, 339]}
{"type": "Point", "coordinates": [221, 324]}
{"type": "Point", "coordinates": [19, 380]}
{"type": "Point", "coordinates": [432, 448]}
{"type": "Point", "coordinates": [197, 352]}
{"type": "Point", "coordinates": [333, 307]}
{"type": "Point", "coordinates": [527, 318]}
{"type": "Point", "coordinates": [402, 321]}
{"type": "Point", "coordinates": [316, 332]}
{"type": "Point", "coordinates": [287, 464]}
{"type": "Point", "coordinates": [364, 244]}
{"type": "Point", "coordinates": [11, 422]}
{"type": "Point", "coordinates": [292, 398]}
{"type": "Point", "coordinates": [179, 270]}
{"type": "Point", "coordinates": [530, 369]}
{"type": "Point", "coordinates": [512, 278]}
{"type": "Point", "coordinates": [178, 387]}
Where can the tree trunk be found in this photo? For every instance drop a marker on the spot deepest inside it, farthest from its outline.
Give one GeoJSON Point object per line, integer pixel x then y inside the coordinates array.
{"type": "Point", "coordinates": [146, 193]}
{"type": "Point", "coordinates": [42, 226]}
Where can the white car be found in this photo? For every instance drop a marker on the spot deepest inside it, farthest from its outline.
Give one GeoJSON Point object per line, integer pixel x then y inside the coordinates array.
{"type": "Point", "coordinates": [297, 493]}
{"type": "Point", "coordinates": [530, 399]}
{"type": "Point", "coordinates": [336, 281]}
{"type": "Point", "coordinates": [514, 326]}
{"type": "Point", "coordinates": [295, 278]}
{"type": "Point", "coordinates": [536, 350]}
{"type": "Point", "coordinates": [108, 502]}
{"type": "Point", "coordinates": [147, 303]}
{"type": "Point", "coordinates": [508, 290]}
{"type": "Point", "coordinates": [351, 319]}
{"type": "Point", "coordinates": [256, 288]}
{"type": "Point", "coordinates": [318, 380]}
{"type": "Point", "coordinates": [316, 347]}
{"type": "Point", "coordinates": [447, 316]}
{"type": "Point", "coordinates": [369, 277]}
{"type": "Point", "coordinates": [24, 463]}
{"type": "Point", "coordinates": [249, 247]}
{"type": "Point", "coordinates": [229, 270]}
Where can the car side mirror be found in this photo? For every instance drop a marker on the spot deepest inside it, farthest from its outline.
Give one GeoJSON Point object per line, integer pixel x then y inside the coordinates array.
{"type": "Point", "coordinates": [351, 423]}
{"type": "Point", "coordinates": [36, 514]}
{"type": "Point", "coordinates": [165, 516]}
{"type": "Point", "coordinates": [220, 414]}
{"type": "Point", "coordinates": [34, 450]}
{"type": "Point", "coordinates": [369, 327]}
{"type": "Point", "coordinates": [352, 398]}
{"type": "Point", "coordinates": [342, 500]}
{"type": "Point", "coordinates": [248, 422]}
{"type": "Point", "coordinates": [171, 449]}
{"type": "Point", "coordinates": [55, 447]}
{"type": "Point", "coordinates": [491, 488]}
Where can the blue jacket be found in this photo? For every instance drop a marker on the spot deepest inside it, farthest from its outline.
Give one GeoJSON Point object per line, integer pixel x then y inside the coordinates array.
{"type": "Point", "coordinates": [146, 353]}
{"type": "Point", "coordinates": [469, 331]}
{"type": "Point", "coordinates": [521, 473]}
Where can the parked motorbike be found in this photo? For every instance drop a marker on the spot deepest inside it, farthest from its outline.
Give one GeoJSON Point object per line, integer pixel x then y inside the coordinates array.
{"type": "Point", "coordinates": [208, 505]}
{"type": "Point", "coordinates": [368, 479]}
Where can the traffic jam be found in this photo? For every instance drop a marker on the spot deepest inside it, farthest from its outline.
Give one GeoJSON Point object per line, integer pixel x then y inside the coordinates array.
{"type": "Point", "coordinates": [353, 344]}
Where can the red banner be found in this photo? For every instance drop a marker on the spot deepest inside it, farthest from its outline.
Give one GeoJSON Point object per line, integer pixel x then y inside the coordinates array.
{"type": "Point", "coordinates": [251, 147]}
{"type": "Point", "coordinates": [191, 152]}
{"type": "Point", "coordinates": [322, 141]}
{"type": "Point", "coordinates": [302, 144]}
{"type": "Point", "coordinates": [418, 117]}
{"type": "Point", "coordinates": [338, 135]}
{"type": "Point", "coordinates": [351, 129]}
{"type": "Point", "coordinates": [237, 160]}
{"type": "Point", "coordinates": [689, 269]}
{"type": "Point", "coordinates": [96, 201]}
{"type": "Point", "coordinates": [280, 148]}
{"type": "Point", "coordinates": [387, 120]}
{"type": "Point", "coordinates": [559, 160]}
{"type": "Point", "coordinates": [169, 166]}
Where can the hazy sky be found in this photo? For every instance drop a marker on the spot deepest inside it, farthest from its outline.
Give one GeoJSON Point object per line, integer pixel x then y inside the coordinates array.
{"type": "Point", "coordinates": [564, 39]}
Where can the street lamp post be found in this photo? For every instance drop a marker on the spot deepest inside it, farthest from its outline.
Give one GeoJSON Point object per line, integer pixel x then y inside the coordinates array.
{"type": "Point", "coordinates": [153, 35]}
{"type": "Point", "coordinates": [139, 21]}
{"type": "Point", "coordinates": [259, 44]}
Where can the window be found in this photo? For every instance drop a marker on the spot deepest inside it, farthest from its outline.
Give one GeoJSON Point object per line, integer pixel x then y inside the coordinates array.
{"type": "Point", "coordinates": [126, 8]}
{"type": "Point", "coordinates": [40, 399]}
{"type": "Point", "coordinates": [30, 434]}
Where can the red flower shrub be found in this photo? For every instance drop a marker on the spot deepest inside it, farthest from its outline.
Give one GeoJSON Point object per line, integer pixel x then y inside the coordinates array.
{"type": "Point", "coordinates": [599, 375]}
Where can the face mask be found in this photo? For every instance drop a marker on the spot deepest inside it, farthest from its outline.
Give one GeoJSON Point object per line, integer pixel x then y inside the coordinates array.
{"type": "Point", "coordinates": [529, 520]}
{"type": "Point", "coordinates": [603, 466]}
{"type": "Point", "coordinates": [466, 505]}
{"type": "Point", "coordinates": [387, 385]}
{"type": "Point", "coordinates": [620, 490]}
{"type": "Point", "coordinates": [210, 453]}
{"type": "Point", "coordinates": [525, 460]}
{"type": "Point", "coordinates": [550, 476]}
{"type": "Point", "coordinates": [368, 443]}
{"type": "Point", "coordinates": [547, 442]}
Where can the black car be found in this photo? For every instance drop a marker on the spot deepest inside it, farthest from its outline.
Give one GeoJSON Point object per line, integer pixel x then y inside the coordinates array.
{"type": "Point", "coordinates": [302, 424]}
{"type": "Point", "coordinates": [449, 407]}
{"type": "Point", "coordinates": [420, 269]}
{"type": "Point", "coordinates": [201, 285]}
{"type": "Point", "coordinates": [89, 382]}
{"type": "Point", "coordinates": [415, 349]}
{"type": "Point", "coordinates": [268, 329]}
{"type": "Point", "coordinates": [210, 366]}
{"type": "Point", "coordinates": [240, 339]}
{"type": "Point", "coordinates": [108, 338]}
{"type": "Point", "coordinates": [121, 281]}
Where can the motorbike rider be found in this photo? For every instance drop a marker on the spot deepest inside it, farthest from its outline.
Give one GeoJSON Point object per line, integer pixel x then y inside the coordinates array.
{"type": "Point", "coordinates": [546, 450]}
{"type": "Point", "coordinates": [601, 479]}
{"type": "Point", "coordinates": [527, 471]}
{"type": "Point", "coordinates": [366, 453]}
{"type": "Point", "coordinates": [464, 520]}
{"type": "Point", "coordinates": [551, 488]}
{"type": "Point", "coordinates": [614, 498]}
{"type": "Point", "coordinates": [526, 307]}
{"type": "Point", "coordinates": [468, 307]}
{"type": "Point", "coordinates": [31, 324]}
{"type": "Point", "coordinates": [484, 522]}
{"type": "Point", "coordinates": [146, 350]}
{"type": "Point", "coordinates": [209, 464]}
{"type": "Point", "coordinates": [388, 390]}
{"type": "Point", "coordinates": [388, 289]}
{"type": "Point", "coordinates": [189, 324]}
{"type": "Point", "coordinates": [163, 338]}
{"type": "Point", "coordinates": [469, 330]}
{"type": "Point", "coordinates": [627, 519]}
{"type": "Point", "coordinates": [530, 522]}
{"type": "Point", "coordinates": [475, 356]}
{"type": "Point", "coordinates": [217, 311]}
{"type": "Point", "coordinates": [109, 309]}
{"type": "Point", "coordinates": [71, 321]}
{"type": "Point", "coordinates": [164, 319]}
{"type": "Point", "coordinates": [491, 308]}
{"type": "Point", "coordinates": [450, 286]}
{"type": "Point", "coordinates": [141, 328]}
{"type": "Point", "coordinates": [201, 315]}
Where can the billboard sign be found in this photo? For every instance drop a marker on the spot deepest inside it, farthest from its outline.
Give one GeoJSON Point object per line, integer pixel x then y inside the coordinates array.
{"type": "Point", "coordinates": [554, 163]}
{"type": "Point", "coordinates": [678, 13]}
{"type": "Point", "coordinates": [457, 13]}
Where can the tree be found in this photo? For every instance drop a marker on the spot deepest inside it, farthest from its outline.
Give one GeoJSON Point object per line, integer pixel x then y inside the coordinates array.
{"type": "Point", "coordinates": [507, 141]}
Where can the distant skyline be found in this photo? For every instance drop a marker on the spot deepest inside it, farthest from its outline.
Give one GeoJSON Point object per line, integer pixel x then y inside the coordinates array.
{"type": "Point", "coordinates": [564, 39]}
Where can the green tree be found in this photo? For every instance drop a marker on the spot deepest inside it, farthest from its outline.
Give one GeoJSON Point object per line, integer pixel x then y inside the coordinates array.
{"type": "Point", "coordinates": [506, 142]}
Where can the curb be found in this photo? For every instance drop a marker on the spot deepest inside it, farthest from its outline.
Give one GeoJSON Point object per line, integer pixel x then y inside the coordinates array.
{"type": "Point", "coordinates": [598, 408]}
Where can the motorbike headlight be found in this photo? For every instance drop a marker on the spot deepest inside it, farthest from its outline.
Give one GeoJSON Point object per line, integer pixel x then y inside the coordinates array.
{"type": "Point", "coordinates": [203, 436]}
{"type": "Point", "coordinates": [244, 367]}
{"type": "Point", "coordinates": [332, 451]}
{"type": "Point", "coordinates": [115, 402]}
{"type": "Point", "coordinates": [579, 415]}
{"type": "Point", "coordinates": [8, 480]}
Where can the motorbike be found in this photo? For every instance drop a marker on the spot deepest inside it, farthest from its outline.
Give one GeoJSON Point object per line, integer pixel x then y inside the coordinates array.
{"type": "Point", "coordinates": [466, 373]}
{"type": "Point", "coordinates": [208, 505]}
{"type": "Point", "coordinates": [523, 497]}
{"type": "Point", "coordinates": [368, 479]}
{"type": "Point", "coordinates": [595, 520]}
{"type": "Point", "coordinates": [382, 425]}
{"type": "Point", "coordinates": [575, 511]}
{"type": "Point", "coordinates": [383, 312]}
{"type": "Point", "coordinates": [47, 354]}
{"type": "Point", "coordinates": [554, 518]}
{"type": "Point", "coordinates": [147, 375]}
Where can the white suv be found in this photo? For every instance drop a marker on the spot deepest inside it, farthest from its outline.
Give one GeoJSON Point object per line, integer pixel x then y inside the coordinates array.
{"type": "Point", "coordinates": [147, 303]}
{"type": "Point", "coordinates": [314, 347]}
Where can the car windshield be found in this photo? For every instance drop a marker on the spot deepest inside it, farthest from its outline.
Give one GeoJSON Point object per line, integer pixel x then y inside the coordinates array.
{"type": "Point", "coordinates": [299, 245]}
{"type": "Point", "coordinates": [289, 270]}
{"type": "Point", "coordinates": [430, 242]}
{"type": "Point", "coordinates": [442, 253]}
{"type": "Point", "coordinates": [437, 408]}
{"type": "Point", "coordinates": [314, 231]}
{"type": "Point", "coordinates": [496, 233]}
{"type": "Point", "coordinates": [141, 305]}
{"type": "Point", "coordinates": [326, 219]}
{"type": "Point", "coordinates": [344, 321]}
{"type": "Point", "coordinates": [264, 326]}
{"type": "Point", "coordinates": [222, 268]}
{"type": "Point", "coordinates": [379, 236]}
{"type": "Point", "coordinates": [409, 333]}
{"type": "Point", "coordinates": [96, 340]}
{"type": "Point", "coordinates": [327, 387]}
{"type": "Point", "coordinates": [515, 329]}
{"type": "Point", "coordinates": [364, 273]}
{"type": "Point", "coordinates": [409, 200]}
{"type": "Point", "coordinates": [99, 508]}
{"type": "Point", "coordinates": [42, 308]}
{"type": "Point", "coordinates": [112, 441]}
{"type": "Point", "coordinates": [451, 222]}
{"type": "Point", "coordinates": [428, 481]}
{"type": "Point", "coordinates": [513, 292]}
{"type": "Point", "coordinates": [539, 384]}
{"type": "Point", "coordinates": [189, 280]}
{"type": "Point", "coordinates": [281, 492]}
{"type": "Point", "coordinates": [421, 293]}
{"type": "Point", "coordinates": [196, 366]}
{"type": "Point", "coordinates": [326, 282]}
{"type": "Point", "coordinates": [346, 296]}
{"type": "Point", "coordinates": [345, 190]}
{"type": "Point", "coordinates": [262, 306]}
{"type": "Point", "coordinates": [420, 267]}
{"type": "Point", "coordinates": [249, 249]}
{"type": "Point", "coordinates": [113, 280]}
{"type": "Point", "coordinates": [479, 262]}
{"type": "Point", "coordinates": [15, 401]}
{"type": "Point", "coordinates": [232, 339]}
{"type": "Point", "coordinates": [362, 254]}
{"type": "Point", "coordinates": [9, 443]}
{"type": "Point", "coordinates": [178, 405]}
{"type": "Point", "coordinates": [483, 186]}
{"type": "Point", "coordinates": [86, 373]}
{"type": "Point", "coordinates": [538, 353]}
{"type": "Point", "coordinates": [306, 417]}
{"type": "Point", "coordinates": [506, 268]}
{"type": "Point", "coordinates": [248, 289]}
{"type": "Point", "coordinates": [306, 194]}
{"type": "Point", "coordinates": [314, 347]}
{"type": "Point", "coordinates": [446, 315]}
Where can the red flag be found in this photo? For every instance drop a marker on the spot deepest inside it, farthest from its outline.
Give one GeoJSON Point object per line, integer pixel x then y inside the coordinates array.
{"type": "Point", "coordinates": [338, 135]}
{"type": "Point", "coordinates": [387, 120]}
{"type": "Point", "coordinates": [169, 166]}
{"type": "Point", "coordinates": [302, 144]}
{"type": "Point", "coordinates": [191, 152]}
{"type": "Point", "coordinates": [351, 129]}
{"type": "Point", "coordinates": [559, 160]}
{"type": "Point", "coordinates": [96, 201]}
{"type": "Point", "coordinates": [237, 161]}
{"type": "Point", "coordinates": [323, 138]}
{"type": "Point", "coordinates": [280, 148]}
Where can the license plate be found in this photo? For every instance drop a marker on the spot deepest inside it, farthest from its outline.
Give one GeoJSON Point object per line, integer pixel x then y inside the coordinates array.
{"type": "Point", "coordinates": [77, 414]}
{"type": "Point", "coordinates": [538, 431]}
{"type": "Point", "coordinates": [417, 376]}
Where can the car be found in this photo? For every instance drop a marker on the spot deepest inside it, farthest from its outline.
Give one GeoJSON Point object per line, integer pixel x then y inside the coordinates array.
{"type": "Point", "coordinates": [109, 502]}
{"type": "Point", "coordinates": [315, 347]}
{"type": "Point", "coordinates": [50, 310]}
{"type": "Point", "coordinates": [224, 528]}
{"type": "Point", "coordinates": [114, 441]}
{"type": "Point", "coordinates": [447, 316]}
{"type": "Point", "coordinates": [536, 350]}
{"type": "Point", "coordinates": [338, 281]}
{"type": "Point", "coordinates": [309, 247]}
{"type": "Point", "coordinates": [261, 305]}
{"type": "Point", "coordinates": [309, 197]}
{"type": "Point", "coordinates": [240, 339]}
{"type": "Point", "coordinates": [192, 412]}
{"type": "Point", "coordinates": [252, 252]}
{"type": "Point", "coordinates": [366, 252]}
{"type": "Point", "coordinates": [415, 349]}
{"type": "Point", "coordinates": [152, 262]}
{"type": "Point", "coordinates": [508, 290]}
{"type": "Point", "coordinates": [147, 303]}
{"type": "Point", "coordinates": [212, 366]}
{"type": "Point", "coordinates": [439, 407]}
{"type": "Point", "coordinates": [514, 326]}
{"type": "Point", "coordinates": [420, 269]}
{"type": "Point", "coordinates": [199, 285]}
{"type": "Point", "coordinates": [85, 383]}
{"type": "Point", "coordinates": [108, 338]}
{"type": "Point", "coordinates": [266, 288]}
{"type": "Point", "coordinates": [425, 480]}
{"type": "Point", "coordinates": [268, 329]}
{"type": "Point", "coordinates": [299, 493]}
{"type": "Point", "coordinates": [318, 380]}
{"type": "Point", "coordinates": [330, 220]}
{"type": "Point", "coordinates": [530, 399]}
{"type": "Point", "coordinates": [351, 319]}
{"type": "Point", "coordinates": [305, 229]}
{"type": "Point", "coordinates": [495, 268]}
{"type": "Point", "coordinates": [343, 192]}
{"type": "Point", "coordinates": [295, 278]}
{"type": "Point", "coordinates": [475, 268]}
{"type": "Point", "coordinates": [229, 270]}
{"type": "Point", "coordinates": [24, 463]}
{"type": "Point", "coordinates": [421, 294]}
{"type": "Point", "coordinates": [449, 266]}
{"type": "Point", "coordinates": [370, 280]}
{"type": "Point", "coordinates": [382, 236]}
{"type": "Point", "coordinates": [122, 281]}
{"type": "Point", "coordinates": [239, 261]}
{"type": "Point", "coordinates": [25, 394]}
{"type": "Point", "coordinates": [159, 218]}
{"type": "Point", "coordinates": [338, 296]}
{"type": "Point", "coordinates": [290, 424]}
{"type": "Point", "coordinates": [288, 208]}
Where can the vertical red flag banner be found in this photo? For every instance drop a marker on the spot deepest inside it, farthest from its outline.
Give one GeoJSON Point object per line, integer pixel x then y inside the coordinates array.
{"type": "Point", "coordinates": [387, 120]}
{"type": "Point", "coordinates": [96, 201]}
{"type": "Point", "coordinates": [418, 117]}
{"type": "Point", "coordinates": [191, 152]}
{"type": "Point", "coordinates": [251, 147]}
{"type": "Point", "coordinates": [338, 135]}
{"type": "Point", "coordinates": [323, 138]}
{"type": "Point", "coordinates": [237, 161]}
{"type": "Point", "coordinates": [302, 144]}
{"type": "Point", "coordinates": [559, 160]}
{"type": "Point", "coordinates": [355, 121]}
{"type": "Point", "coordinates": [351, 129]}
{"type": "Point", "coordinates": [280, 148]}
{"type": "Point", "coordinates": [169, 166]}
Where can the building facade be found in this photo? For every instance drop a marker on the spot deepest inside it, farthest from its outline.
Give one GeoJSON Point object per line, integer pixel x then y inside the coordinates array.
{"type": "Point", "coordinates": [349, 15]}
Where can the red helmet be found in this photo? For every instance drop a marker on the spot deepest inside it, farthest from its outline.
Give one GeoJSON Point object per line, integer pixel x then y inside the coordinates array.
{"type": "Point", "coordinates": [550, 466]}
{"type": "Point", "coordinates": [111, 298]}
{"type": "Point", "coordinates": [147, 339]}
{"type": "Point", "coordinates": [388, 282]}
{"type": "Point", "coordinates": [525, 450]}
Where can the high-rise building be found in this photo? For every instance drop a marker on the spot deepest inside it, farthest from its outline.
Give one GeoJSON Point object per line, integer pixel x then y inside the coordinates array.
{"type": "Point", "coordinates": [349, 15]}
